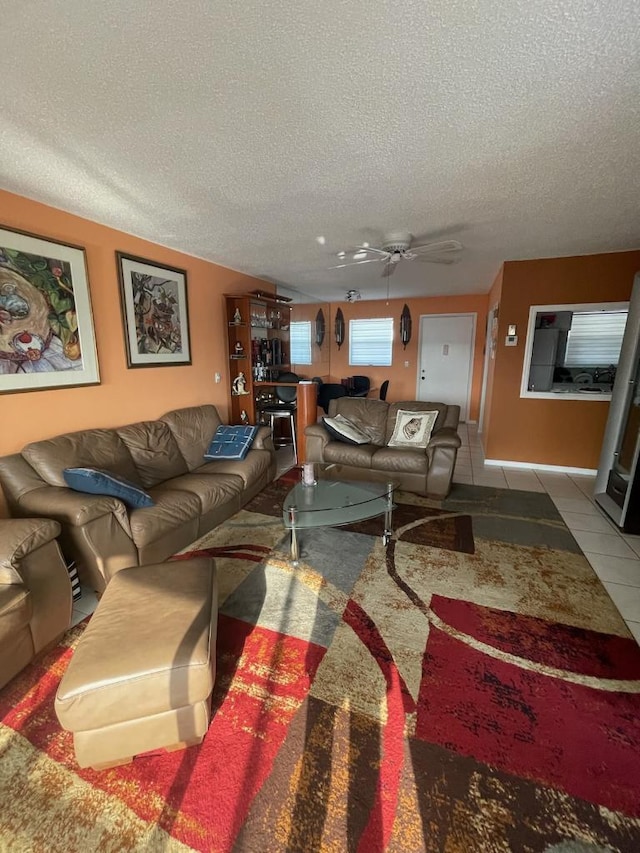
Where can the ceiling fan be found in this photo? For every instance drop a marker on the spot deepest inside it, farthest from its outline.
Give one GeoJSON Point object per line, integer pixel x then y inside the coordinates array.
{"type": "Point", "coordinates": [397, 247]}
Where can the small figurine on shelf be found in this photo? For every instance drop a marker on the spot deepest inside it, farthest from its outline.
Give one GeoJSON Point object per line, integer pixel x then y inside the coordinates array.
{"type": "Point", "coordinates": [238, 348]}
{"type": "Point", "coordinates": [237, 316]}
{"type": "Point", "coordinates": [239, 386]}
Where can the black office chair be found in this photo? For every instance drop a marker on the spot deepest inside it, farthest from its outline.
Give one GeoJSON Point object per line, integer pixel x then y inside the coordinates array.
{"type": "Point", "coordinates": [330, 391]}
{"type": "Point", "coordinates": [360, 386]}
{"type": "Point", "coordinates": [284, 407]}
{"type": "Point", "coordinates": [383, 389]}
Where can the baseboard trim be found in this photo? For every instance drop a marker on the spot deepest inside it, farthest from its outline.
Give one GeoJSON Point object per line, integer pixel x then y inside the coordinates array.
{"type": "Point", "coordinates": [535, 466]}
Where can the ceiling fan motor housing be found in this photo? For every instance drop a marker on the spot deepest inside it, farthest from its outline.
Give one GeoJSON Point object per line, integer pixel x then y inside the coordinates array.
{"type": "Point", "coordinates": [397, 244]}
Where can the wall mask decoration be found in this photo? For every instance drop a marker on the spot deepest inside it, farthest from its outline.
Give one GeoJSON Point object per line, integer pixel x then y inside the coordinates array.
{"type": "Point", "coordinates": [405, 326]}
{"type": "Point", "coordinates": [339, 327]}
{"type": "Point", "coordinates": [320, 327]}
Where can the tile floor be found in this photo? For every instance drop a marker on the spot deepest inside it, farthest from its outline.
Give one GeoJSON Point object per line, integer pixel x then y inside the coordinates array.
{"type": "Point", "coordinates": [614, 556]}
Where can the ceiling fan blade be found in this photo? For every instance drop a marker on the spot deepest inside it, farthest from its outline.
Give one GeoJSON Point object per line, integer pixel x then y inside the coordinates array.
{"type": "Point", "coordinates": [388, 270]}
{"type": "Point", "coordinates": [355, 263]}
{"type": "Point", "coordinates": [440, 248]}
{"type": "Point", "coordinates": [436, 259]}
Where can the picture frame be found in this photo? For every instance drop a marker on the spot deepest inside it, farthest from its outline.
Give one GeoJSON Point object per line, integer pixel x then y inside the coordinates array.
{"type": "Point", "coordinates": [47, 337]}
{"type": "Point", "coordinates": [155, 312]}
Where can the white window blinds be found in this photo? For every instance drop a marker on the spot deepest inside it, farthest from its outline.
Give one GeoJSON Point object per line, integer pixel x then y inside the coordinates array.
{"type": "Point", "coordinates": [595, 338]}
{"type": "Point", "coordinates": [300, 342]}
{"type": "Point", "coordinates": [370, 341]}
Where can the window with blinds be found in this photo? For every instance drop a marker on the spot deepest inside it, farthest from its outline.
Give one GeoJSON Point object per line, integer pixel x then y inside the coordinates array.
{"type": "Point", "coordinates": [371, 342]}
{"type": "Point", "coordinates": [300, 342]}
{"type": "Point", "coordinates": [595, 338]}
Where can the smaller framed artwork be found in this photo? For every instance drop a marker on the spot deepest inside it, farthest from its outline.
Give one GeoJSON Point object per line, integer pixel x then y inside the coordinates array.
{"type": "Point", "coordinates": [154, 312]}
{"type": "Point", "coordinates": [46, 326]}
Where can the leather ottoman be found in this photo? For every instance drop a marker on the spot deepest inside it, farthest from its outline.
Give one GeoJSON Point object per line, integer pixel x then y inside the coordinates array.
{"type": "Point", "coordinates": [141, 676]}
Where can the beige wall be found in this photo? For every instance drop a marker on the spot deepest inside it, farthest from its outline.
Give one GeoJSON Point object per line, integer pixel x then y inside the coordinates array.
{"type": "Point", "coordinates": [123, 395]}
{"type": "Point", "coordinates": [551, 432]}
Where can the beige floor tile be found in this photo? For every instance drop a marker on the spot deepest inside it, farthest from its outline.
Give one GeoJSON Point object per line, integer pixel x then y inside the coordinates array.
{"type": "Point", "coordinates": [633, 542]}
{"type": "Point", "coordinates": [467, 479]}
{"type": "Point", "coordinates": [518, 479]}
{"type": "Point", "coordinates": [634, 627]}
{"type": "Point", "coordinates": [560, 486]}
{"type": "Point", "coordinates": [611, 544]}
{"type": "Point", "coordinates": [581, 505]}
{"type": "Point", "coordinates": [592, 523]}
{"type": "Point", "coordinates": [615, 569]}
{"type": "Point", "coordinates": [584, 483]}
{"type": "Point", "coordinates": [626, 599]}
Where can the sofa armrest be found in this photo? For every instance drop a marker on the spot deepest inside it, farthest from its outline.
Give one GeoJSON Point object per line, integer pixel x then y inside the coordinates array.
{"type": "Point", "coordinates": [317, 439]}
{"type": "Point", "coordinates": [445, 437]}
{"type": "Point", "coordinates": [20, 537]}
{"type": "Point", "coordinates": [69, 507]}
{"type": "Point", "coordinates": [263, 440]}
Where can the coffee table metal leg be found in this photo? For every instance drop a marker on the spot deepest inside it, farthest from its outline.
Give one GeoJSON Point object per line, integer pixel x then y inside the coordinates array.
{"type": "Point", "coordinates": [293, 517]}
{"type": "Point", "coordinates": [388, 531]}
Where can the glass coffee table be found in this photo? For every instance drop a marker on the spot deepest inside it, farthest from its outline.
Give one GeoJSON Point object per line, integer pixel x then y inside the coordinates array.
{"type": "Point", "coordinates": [332, 503]}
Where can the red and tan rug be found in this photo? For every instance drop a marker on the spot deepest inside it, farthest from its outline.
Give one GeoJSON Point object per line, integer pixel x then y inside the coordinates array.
{"type": "Point", "coordinates": [470, 689]}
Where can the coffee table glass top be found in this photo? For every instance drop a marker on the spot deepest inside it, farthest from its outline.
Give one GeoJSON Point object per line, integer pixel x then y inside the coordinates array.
{"type": "Point", "coordinates": [329, 503]}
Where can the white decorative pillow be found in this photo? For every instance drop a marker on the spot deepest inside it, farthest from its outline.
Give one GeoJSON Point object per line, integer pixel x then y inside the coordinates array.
{"type": "Point", "coordinates": [345, 430]}
{"type": "Point", "coordinates": [412, 429]}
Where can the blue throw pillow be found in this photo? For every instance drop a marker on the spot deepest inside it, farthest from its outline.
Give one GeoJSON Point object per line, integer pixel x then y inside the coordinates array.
{"type": "Point", "coordinates": [98, 482]}
{"type": "Point", "coordinates": [231, 442]}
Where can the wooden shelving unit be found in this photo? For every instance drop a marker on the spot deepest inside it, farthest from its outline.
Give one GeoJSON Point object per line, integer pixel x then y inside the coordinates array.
{"type": "Point", "coordinates": [258, 347]}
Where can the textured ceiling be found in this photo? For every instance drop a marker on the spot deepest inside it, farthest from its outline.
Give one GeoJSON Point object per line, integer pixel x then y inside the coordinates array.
{"type": "Point", "coordinates": [243, 131]}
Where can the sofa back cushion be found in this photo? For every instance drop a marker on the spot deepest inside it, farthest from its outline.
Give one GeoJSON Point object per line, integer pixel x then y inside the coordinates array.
{"type": "Point", "coordinates": [368, 415]}
{"type": "Point", "coordinates": [154, 451]}
{"type": "Point", "coordinates": [414, 406]}
{"type": "Point", "coordinates": [193, 428]}
{"type": "Point", "coordinates": [90, 448]}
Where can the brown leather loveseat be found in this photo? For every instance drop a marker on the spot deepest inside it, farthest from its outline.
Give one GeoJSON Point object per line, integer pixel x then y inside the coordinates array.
{"type": "Point", "coordinates": [164, 457]}
{"type": "Point", "coordinates": [426, 471]}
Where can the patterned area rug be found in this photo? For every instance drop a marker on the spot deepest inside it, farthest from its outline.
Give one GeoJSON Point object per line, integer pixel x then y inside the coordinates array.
{"type": "Point", "coordinates": [470, 689]}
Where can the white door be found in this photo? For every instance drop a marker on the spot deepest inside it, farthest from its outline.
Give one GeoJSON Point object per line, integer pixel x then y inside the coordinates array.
{"type": "Point", "coordinates": [446, 359]}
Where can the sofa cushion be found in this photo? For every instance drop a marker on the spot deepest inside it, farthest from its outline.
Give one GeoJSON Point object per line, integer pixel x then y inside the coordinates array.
{"type": "Point", "coordinates": [154, 451]}
{"type": "Point", "coordinates": [401, 460]}
{"type": "Point", "coordinates": [231, 442]}
{"type": "Point", "coordinates": [90, 448]}
{"type": "Point", "coordinates": [342, 429]}
{"type": "Point", "coordinates": [192, 429]}
{"type": "Point", "coordinates": [254, 466]}
{"type": "Point", "coordinates": [211, 490]}
{"type": "Point", "coordinates": [172, 508]}
{"type": "Point", "coordinates": [412, 429]}
{"type": "Point", "coordinates": [368, 415]}
{"type": "Point", "coordinates": [97, 482]}
{"type": "Point", "coordinates": [359, 455]}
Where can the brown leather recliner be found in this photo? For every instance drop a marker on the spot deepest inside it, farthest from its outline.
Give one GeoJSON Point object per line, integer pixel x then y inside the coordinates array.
{"type": "Point", "coordinates": [425, 471]}
{"type": "Point", "coordinates": [35, 592]}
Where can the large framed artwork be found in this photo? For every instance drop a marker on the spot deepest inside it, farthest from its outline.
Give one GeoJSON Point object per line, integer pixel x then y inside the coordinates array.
{"type": "Point", "coordinates": [155, 313]}
{"type": "Point", "coordinates": [46, 326]}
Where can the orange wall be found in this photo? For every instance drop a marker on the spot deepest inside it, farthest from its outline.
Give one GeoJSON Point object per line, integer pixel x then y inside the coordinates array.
{"type": "Point", "coordinates": [124, 395]}
{"type": "Point", "coordinates": [402, 380]}
{"type": "Point", "coordinates": [551, 432]}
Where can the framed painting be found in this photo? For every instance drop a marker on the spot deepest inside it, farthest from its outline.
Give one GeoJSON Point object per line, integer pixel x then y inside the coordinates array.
{"type": "Point", "coordinates": [47, 338]}
{"type": "Point", "coordinates": [154, 312]}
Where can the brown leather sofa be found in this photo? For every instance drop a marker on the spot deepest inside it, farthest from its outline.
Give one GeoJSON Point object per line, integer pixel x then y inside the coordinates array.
{"type": "Point", "coordinates": [426, 472]}
{"type": "Point", "coordinates": [166, 458]}
{"type": "Point", "coordinates": [35, 592]}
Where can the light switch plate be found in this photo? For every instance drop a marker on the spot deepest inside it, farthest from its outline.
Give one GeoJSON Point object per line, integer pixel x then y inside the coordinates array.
{"type": "Point", "coordinates": [511, 341]}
